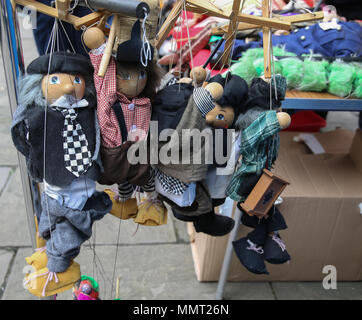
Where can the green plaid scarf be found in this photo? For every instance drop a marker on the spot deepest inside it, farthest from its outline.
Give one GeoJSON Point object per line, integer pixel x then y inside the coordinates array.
{"type": "Point", "coordinates": [259, 150]}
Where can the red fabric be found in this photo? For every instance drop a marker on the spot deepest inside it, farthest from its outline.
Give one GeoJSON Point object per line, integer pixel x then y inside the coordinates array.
{"type": "Point", "coordinates": [200, 59]}
{"type": "Point", "coordinates": [181, 34]}
{"type": "Point", "coordinates": [107, 95]}
{"type": "Point", "coordinates": [306, 121]}
{"type": "Point", "coordinates": [309, 3]}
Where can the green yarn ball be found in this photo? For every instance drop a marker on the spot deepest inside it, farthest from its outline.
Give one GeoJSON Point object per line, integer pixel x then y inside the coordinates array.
{"type": "Point", "coordinates": [314, 76]}
{"type": "Point", "coordinates": [292, 70]}
{"type": "Point", "coordinates": [357, 84]}
{"type": "Point", "coordinates": [341, 78]}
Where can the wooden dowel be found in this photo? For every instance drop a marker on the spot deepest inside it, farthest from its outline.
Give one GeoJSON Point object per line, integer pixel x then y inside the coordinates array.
{"type": "Point", "coordinates": [108, 51]}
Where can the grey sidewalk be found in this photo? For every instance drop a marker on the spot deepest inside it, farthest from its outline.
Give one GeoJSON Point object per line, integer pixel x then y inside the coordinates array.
{"type": "Point", "coordinates": [154, 262]}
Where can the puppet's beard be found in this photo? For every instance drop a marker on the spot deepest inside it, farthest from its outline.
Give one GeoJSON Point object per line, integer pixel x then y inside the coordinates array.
{"type": "Point", "coordinates": [69, 101]}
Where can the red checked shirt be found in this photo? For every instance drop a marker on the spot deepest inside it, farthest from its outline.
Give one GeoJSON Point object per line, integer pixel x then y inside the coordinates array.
{"type": "Point", "coordinates": [137, 112]}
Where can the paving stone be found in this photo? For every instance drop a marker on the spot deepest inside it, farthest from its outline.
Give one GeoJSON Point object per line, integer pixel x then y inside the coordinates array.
{"type": "Point", "coordinates": [315, 291]}
{"type": "Point", "coordinates": [5, 259]}
{"type": "Point", "coordinates": [14, 289]}
{"type": "Point", "coordinates": [162, 272]}
{"type": "Point", "coordinates": [181, 230]}
{"type": "Point", "coordinates": [13, 219]}
{"type": "Point", "coordinates": [4, 176]}
{"type": "Point", "coordinates": [248, 291]}
{"type": "Point", "coordinates": [105, 231]}
{"type": "Point", "coordinates": [8, 155]}
{"type": "Point", "coordinates": [147, 272]}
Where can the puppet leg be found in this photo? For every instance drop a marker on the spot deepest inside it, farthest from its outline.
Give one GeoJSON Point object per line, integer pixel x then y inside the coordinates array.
{"type": "Point", "coordinates": [151, 211]}
{"type": "Point", "coordinates": [249, 249]}
{"type": "Point", "coordinates": [275, 250]}
{"type": "Point", "coordinates": [123, 206]}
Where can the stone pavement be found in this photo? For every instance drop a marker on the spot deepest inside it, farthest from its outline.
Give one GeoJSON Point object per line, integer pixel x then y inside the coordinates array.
{"type": "Point", "coordinates": [153, 263]}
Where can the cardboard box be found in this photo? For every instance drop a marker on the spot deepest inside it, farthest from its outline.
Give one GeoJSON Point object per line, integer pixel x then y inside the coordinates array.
{"type": "Point", "coordinates": [321, 208]}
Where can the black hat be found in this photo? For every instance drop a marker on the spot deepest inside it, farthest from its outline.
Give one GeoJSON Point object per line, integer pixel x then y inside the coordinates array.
{"type": "Point", "coordinates": [235, 91]}
{"type": "Point", "coordinates": [131, 50]}
{"type": "Point", "coordinates": [61, 62]}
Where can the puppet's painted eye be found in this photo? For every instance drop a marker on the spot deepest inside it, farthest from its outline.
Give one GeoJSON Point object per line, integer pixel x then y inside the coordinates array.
{"type": "Point", "coordinates": [220, 117]}
{"type": "Point", "coordinates": [142, 75]}
{"type": "Point", "coordinates": [54, 80]}
{"type": "Point", "coordinates": [124, 76]}
{"type": "Point", "coordinates": [77, 80]}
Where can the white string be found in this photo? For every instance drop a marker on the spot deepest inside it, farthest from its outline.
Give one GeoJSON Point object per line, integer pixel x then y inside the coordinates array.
{"type": "Point", "coordinates": [71, 9]}
{"type": "Point", "coordinates": [89, 7]}
{"type": "Point", "coordinates": [54, 38]}
{"type": "Point", "coordinates": [146, 53]}
{"type": "Point", "coordinates": [225, 49]}
{"type": "Point", "coordinates": [181, 46]}
{"type": "Point", "coordinates": [66, 34]}
{"type": "Point", "coordinates": [188, 37]}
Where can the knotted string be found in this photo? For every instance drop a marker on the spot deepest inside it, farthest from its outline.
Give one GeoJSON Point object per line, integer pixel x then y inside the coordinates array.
{"type": "Point", "coordinates": [253, 247]}
{"type": "Point", "coordinates": [146, 53]}
{"type": "Point", "coordinates": [280, 242]}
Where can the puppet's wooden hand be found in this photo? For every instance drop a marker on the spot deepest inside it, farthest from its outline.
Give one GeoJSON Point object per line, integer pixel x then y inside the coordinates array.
{"type": "Point", "coordinates": [284, 119]}
{"type": "Point", "coordinates": [93, 38]}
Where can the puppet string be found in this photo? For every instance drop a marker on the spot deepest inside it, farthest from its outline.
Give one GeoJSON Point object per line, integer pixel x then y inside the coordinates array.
{"type": "Point", "coordinates": [117, 246]}
{"type": "Point", "coordinates": [179, 75]}
{"type": "Point", "coordinates": [188, 37]}
{"type": "Point", "coordinates": [229, 46]}
{"type": "Point", "coordinates": [146, 53]}
{"type": "Point", "coordinates": [53, 40]}
{"type": "Point", "coordinates": [71, 9]}
{"type": "Point", "coordinates": [66, 34]}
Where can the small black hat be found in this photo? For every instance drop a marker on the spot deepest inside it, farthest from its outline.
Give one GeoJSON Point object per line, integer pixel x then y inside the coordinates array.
{"type": "Point", "coordinates": [131, 50]}
{"type": "Point", "coordinates": [61, 62]}
{"type": "Point", "coordinates": [235, 91]}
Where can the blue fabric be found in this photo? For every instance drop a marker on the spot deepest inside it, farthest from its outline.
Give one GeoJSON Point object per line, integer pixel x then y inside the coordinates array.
{"type": "Point", "coordinates": [45, 25]}
{"type": "Point", "coordinates": [75, 195]}
{"type": "Point", "coordinates": [239, 47]}
{"type": "Point", "coordinates": [330, 43]}
{"type": "Point", "coordinates": [67, 229]}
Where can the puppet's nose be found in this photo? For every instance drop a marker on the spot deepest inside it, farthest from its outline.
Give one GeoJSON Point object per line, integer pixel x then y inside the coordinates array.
{"type": "Point", "coordinates": [68, 89]}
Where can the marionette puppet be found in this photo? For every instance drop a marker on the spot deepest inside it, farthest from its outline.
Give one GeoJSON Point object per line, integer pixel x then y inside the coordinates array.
{"type": "Point", "coordinates": [183, 107]}
{"type": "Point", "coordinates": [259, 126]}
{"type": "Point", "coordinates": [55, 127]}
{"type": "Point", "coordinates": [124, 111]}
{"type": "Point", "coordinates": [222, 117]}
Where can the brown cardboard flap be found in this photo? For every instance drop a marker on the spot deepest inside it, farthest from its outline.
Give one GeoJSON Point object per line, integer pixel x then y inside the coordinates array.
{"type": "Point", "coordinates": [338, 141]}
{"type": "Point", "coordinates": [325, 175]}
{"type": "Point", "coordinates": [356, 150]}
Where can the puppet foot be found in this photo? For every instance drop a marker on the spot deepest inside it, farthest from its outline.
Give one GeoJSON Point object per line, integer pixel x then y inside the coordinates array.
{"type": "Point", "coordinates": [275, 251]}
{"type": "Point", "coordinates": [122, 210]}
{"type": "Point", "coordinates": [214, 224]}
{"type": "Point", "coordinates": [250, 255]}
{"type": "Point", "coordinates": [38, 260]}
{"type": "Point", "coordinates": [44, 283]}
{"type": "Point", "coordinates": [151, 212]}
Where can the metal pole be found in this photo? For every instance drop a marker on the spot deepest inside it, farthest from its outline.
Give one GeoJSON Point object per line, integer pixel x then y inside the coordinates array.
{"type": "Point", "coordinates": [228, 255]}
{"type": "Point", "coordinates": [126, 7]}
{"type": "Point", "coordinates": [13, 62]}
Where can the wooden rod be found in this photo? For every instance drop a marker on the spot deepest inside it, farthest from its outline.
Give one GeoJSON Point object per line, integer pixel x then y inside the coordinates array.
{"type": "Point", "coordinates": [109, 47]}
{"type": "Point", "coordinates": [266, 41]}
{"type": "Point", "coordinates": [169, 23]}
{"type": "Point", "coordinates": [233, 25]}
